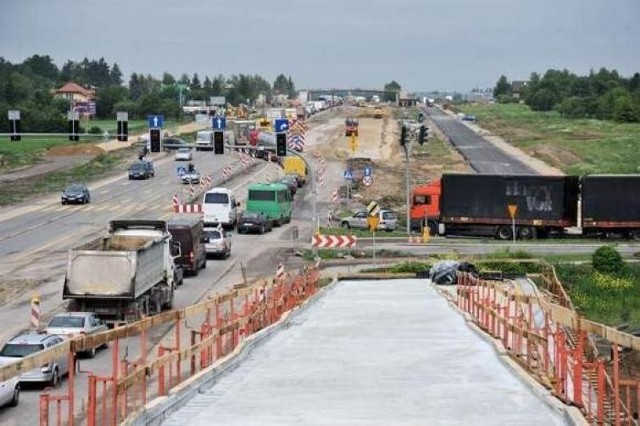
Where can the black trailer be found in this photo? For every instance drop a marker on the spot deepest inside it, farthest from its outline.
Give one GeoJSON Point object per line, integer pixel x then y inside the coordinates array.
{"type": "Point", "coordinates": [611, 204]}
{"type": "Point", "coordinates": [480, 204]}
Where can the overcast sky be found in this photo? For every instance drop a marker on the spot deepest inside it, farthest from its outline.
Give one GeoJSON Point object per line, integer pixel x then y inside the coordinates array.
{"type": "Point", "coordinates": [423, 44]}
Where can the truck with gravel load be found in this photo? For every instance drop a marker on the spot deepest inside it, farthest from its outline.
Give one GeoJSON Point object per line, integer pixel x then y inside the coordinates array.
{"type": "Point", "coordinates": [124, 276]}
{"type": "Point", "coordinates": [535, 206]}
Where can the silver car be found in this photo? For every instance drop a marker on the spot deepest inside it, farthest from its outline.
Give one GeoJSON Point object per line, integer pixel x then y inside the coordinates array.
{"type": "Point", "coordinates": [73, 324]}
{"type": "Point", "coordinates": [387, 220]}
{"type": "Point", "coordinates": [183, 154]}
{"type": "Point", "coordinates": [29, 343]}
{"type": "Point", "coordinates": [217, 242]}
{"type": "Point", "coordinates": [10, 392]}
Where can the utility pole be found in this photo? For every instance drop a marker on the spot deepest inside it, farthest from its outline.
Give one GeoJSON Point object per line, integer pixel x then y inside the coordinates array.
{"type": "Point", "coordinates": [407, 177]}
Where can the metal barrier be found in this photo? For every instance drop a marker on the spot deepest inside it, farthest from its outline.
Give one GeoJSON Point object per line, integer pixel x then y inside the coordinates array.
{"type": "Point", "coordinates": [549, 340]}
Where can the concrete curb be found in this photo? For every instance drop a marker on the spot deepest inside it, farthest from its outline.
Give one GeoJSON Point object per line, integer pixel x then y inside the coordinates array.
{"type": "Point", "coordinates": [571, 414]}
{"type": "Point", "coordinates": [159, 409]}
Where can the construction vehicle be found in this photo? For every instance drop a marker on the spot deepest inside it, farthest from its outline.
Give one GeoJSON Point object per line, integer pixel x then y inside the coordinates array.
{"type": "Point", "coordinates": [377, 112]}
{"type": "Point", "coordinates": [351, 126]}
{"type": "Point", "coordinates": [242, 131]}
{"type": "Point", "coordinates": [534, 206]}
{"type": "Point", "coordinates": [126, 275]}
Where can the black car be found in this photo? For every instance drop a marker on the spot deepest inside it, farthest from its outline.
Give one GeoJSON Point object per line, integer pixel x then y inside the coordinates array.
{"type": "Point", "coordinates": [76, 193]}
{"type": "Point", "coordinates": [253, 222]}
{"type": "Point", "coordinates": [171, 144]}
{"type": "Point", "coordinates": [291, 182]}
{"type": "Point", "coordinates": [141, 170]}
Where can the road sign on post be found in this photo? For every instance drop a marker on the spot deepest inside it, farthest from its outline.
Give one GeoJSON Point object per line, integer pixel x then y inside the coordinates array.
{"type": "Point", "coordinates": [74, 125]}
{"type": "Point", "coordinates": [373, 208]}
{"type": "Point", "coordinates": [14, 121]}
{"type": "Point", "coordinates": [219, 123]}
{"type": "Point", "coordinates": [367, 180]}
{"type": "Point", "coordinates": [156, 121]}
{"type": "Point", "coordinates": [513, 209]}
{"type": "Point", "coordinates": [373, 221]}
{"type": "Point", "coordinates": [123, 126]}
{"type": "Point", "coordinates": [281, 125]}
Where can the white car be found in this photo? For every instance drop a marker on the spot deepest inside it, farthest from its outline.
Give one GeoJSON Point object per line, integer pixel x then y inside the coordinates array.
{"type": "Point", "coordinates": [217, 242]}
{"type": "Point", "coordinates": [10, 392]}
{"type": "Point", "coordinates": [72, 324]}
{"type": "Point", "coordinates": [183, 154]}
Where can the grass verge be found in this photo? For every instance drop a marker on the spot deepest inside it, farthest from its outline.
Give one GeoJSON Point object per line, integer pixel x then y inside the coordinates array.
{"type": "Point", "coordinates": [576, 146]}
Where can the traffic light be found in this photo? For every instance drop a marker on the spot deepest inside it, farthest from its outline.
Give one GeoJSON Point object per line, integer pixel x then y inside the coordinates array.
{"type": "Point", "coordinates": [154, 137]}
{"type": "Point", "coordinates": [403, 135]}
{"type": "Point", "coordinates": [281, 144]}
{"type": "Point", "coordinates": [74, 127]}
{"type": "Point", "coordinates": [218, 143]}
{"type": "Point", "coordinates": [123, 131]}
{"type": "Point", "coordinates": [422, 135]}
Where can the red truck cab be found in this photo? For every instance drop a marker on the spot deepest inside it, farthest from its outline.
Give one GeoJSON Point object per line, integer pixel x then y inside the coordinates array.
{"type": "Point", "coordinates": [425, 206]}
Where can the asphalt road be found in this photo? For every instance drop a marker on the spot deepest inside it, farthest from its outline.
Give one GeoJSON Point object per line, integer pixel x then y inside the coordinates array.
{"type": "Point", "coordinates": [482, 156]}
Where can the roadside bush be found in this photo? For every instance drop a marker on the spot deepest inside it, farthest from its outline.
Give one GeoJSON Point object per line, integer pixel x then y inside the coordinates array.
{"type": "Point", "coordinates": [509, 268]}
{"type": "Point", "coordinates": [608, 260]}
{"type": "Point", "coordinates": [95, 130]}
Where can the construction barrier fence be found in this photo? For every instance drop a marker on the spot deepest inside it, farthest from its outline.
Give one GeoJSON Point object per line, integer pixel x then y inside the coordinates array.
{"type": "Point", "coordinates": [544, 335]}
{"type": "Point", "coordinates": [193, 338]}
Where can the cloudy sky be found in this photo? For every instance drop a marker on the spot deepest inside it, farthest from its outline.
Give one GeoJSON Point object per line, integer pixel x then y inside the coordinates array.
{"type": "Point", "coordinates": [423, 44]}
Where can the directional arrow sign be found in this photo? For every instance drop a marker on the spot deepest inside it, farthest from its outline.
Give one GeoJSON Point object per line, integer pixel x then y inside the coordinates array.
{"type": "Point", "coordinates": [219, 123]}
{"type": "Point", "coordinates": [331, 241]}
{"type": "Point", "coordinates": [281, 125]}
{"type": "Point", "coordinates": [156, 121]}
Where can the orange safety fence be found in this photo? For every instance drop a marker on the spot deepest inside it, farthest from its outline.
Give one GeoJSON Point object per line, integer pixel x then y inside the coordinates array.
{"type": "Point", "coordinates": [223, 322]}
{"type": "Point", "coordinates": [552, 343]}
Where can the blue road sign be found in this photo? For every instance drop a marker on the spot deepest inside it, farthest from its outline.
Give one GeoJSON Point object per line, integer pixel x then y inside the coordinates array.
{"type": "Point", "coordinates": [348, 175]}
{"type": "Point", "coordinates": [219, 123]}
{"type": "Point", "coordinates": [181, 171]}
{"type": "Point", "coordinates": [156, 121]}
{"type": "Point", "coordinates": [368, 171]}
{"type": "Point", "coordinates": [281, 125]}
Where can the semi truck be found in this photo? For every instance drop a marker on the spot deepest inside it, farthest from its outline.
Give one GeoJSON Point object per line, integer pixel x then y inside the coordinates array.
{"type": "Point", "coordinates": [124, 276]}
{"type": "Point", "coordinates": [533, 206]}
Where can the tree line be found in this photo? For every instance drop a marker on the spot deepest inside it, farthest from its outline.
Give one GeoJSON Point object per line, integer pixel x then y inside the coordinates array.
{"type": "Point", "coordinates": [29, 87]}
{"type": "Point", "coordinates": [603, 94]}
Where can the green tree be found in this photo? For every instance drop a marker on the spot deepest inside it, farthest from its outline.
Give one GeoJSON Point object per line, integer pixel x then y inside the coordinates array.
{"type": "Point", "coordinates": [107, 98]}
{"type": "Point", "coordinates": [281, 85]}
{"type": "Point", "coordinates": [195, 82]}
{"type": "Point", "coordinates": [168, 79]}
{"type": "Point", "coordinates": [502, 88]}
{"type": "Point", "coordinates": [115, 75]}
{"type": "Point", "coordinates": [392, 88]}
{"type": "Point", "coordinates": [42, 66]}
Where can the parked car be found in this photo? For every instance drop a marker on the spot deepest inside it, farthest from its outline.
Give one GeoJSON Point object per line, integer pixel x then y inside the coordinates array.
{"type": "Point", "coordinates": [217, 242]}
{"type": "Point", "coordinates": [191, 176]}
{"type": "Point", "coordinates": [254, 222]}
{"type": "Point", "coordinates": [10, 392]}
{"type": "Point", "coordinates": [387, 220]}
{"type": "Point", "coordinates": [171, 144]}
{"type": "Point", "coordinates": [471, 118]}
{"type": "Point", "coordinates": [141, 170]}
{"type": "Point", "coordinates": [72, 324]}
{"type": "Point", "coordinates": [76, 193]}
{"type": "Point", "coordinates": [29, 343]}
{"type": "Point", "coordinates": [183, 154]}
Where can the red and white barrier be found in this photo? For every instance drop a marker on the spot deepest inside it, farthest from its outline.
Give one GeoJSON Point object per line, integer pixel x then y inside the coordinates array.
{"type": "Point", "coordinates": [333, 241]}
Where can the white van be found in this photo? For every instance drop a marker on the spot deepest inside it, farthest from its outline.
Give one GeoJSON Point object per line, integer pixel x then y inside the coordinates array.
{"type": "Point", "coordinates": [204, 140]}
{"type": "Point", "coordinates": [220, 206]}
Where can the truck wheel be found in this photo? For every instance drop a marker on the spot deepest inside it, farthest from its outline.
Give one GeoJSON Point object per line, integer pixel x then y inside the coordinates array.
{"type": "Point", "coordinates": [634, 234]}
{"type": "Point", "coordinates": [525, 233]}
{"type": "Point", "coordinates": [433, 229]}
{"type": "Point", "coordinates": [504, 233]}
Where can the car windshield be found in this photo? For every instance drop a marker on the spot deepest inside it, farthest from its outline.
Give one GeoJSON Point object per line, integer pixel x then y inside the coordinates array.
{"type": "Point", "coordinates": [138, 166]}
{"type": "Point", "coordinates": [67, 322]}
{"type": "Point", "coordinates": [75, 188]}
{"type": "Point", "coordinates": [183, 150]}
{"type": "Point", "coordinates": [212, 235]}
{"type": "Point", "coordinates": [20, 350]}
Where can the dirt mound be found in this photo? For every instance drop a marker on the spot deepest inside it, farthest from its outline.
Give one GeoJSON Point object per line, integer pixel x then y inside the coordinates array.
{"type": "Point", "coordinates": [84, 149]}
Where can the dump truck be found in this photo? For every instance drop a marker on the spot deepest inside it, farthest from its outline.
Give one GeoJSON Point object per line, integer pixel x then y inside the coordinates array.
{"type": "Point", "coordinates": [377, 112]}
{"type": "Point", "coordinates": [124, 276]}
{"type": "Point", "coordinates": [536, 206]}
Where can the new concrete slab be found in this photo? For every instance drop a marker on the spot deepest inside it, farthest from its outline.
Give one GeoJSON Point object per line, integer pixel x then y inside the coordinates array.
{"type": "Point", "coordinates": [375, 353]}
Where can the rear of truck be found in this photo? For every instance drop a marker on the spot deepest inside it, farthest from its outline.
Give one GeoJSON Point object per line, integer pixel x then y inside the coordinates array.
{"type": "Point", "coordinates": [119, 278]}
{"type": "Point", "coordinates": [611, 205]}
